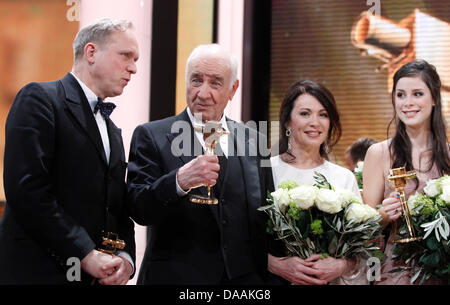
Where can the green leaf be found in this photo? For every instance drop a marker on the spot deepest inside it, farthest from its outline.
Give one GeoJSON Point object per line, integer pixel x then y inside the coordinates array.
{"type": "Point", "coordinates": [265, 208]}
{"type": "Point", "coordinates": [321, 181]}
{"type": "Point", "coordinates": [432, 243]}
{"type": "Point", "coordinates": [431, 260]}
{"type": "Point", "coordinates": [332, 246]}
{"type": "Point", "coordinates": [396, 270]}
{"type": "Point", "coordinates": [414, 278]}
{"type": "Point", "coordinates": [338, 225]}
{"type": "Point", "coordinates": [303, 221]}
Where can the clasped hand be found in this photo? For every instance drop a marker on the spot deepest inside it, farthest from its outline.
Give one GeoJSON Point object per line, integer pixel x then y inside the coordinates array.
{"type": "Point", "coordinates": [108, 269]}
{"type": "Point", "coordinates": [312, 271]}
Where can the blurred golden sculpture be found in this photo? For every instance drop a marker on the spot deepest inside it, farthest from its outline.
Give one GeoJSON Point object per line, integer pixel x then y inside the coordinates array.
{"type": "Point", "coordinates": [419, 35]}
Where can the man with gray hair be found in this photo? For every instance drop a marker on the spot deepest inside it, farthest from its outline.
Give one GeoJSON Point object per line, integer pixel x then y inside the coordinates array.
{"type": "Point", "coordinates": [194, 243]}
{"type": "Point", "coordinates": [64, 171]}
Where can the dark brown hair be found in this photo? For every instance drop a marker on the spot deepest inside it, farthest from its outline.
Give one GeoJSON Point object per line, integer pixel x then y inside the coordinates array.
{"type": "Point", "coordinates": [359, 148]}
{"type": "Point", "coordinates": [400, 146]}
{"type": "Point", "coordinates": [324, 96]}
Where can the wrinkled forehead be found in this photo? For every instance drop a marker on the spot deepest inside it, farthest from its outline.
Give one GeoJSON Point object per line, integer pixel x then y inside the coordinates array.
{"type": "Point", "coordinates": [215, 65]}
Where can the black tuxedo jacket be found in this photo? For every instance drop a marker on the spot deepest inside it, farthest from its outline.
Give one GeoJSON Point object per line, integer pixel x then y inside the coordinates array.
{"type": "Point", "coordinates": [60, 191]}
{"type": "Point", "coordinates": [184, 242]}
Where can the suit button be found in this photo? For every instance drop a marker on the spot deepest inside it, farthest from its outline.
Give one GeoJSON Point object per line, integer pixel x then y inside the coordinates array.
{"type": "Point", "coordinates": [224, 222]}
{"type": "Point", "coordinates": [224, 202]}
{"type": "Point", "coordinates": [225, 247]}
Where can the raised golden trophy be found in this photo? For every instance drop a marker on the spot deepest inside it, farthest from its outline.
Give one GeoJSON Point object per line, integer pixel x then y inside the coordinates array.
{"type": "Point", "coordinates": [212, 131]}
{"type": "Point", "coordinates": [397, 177]}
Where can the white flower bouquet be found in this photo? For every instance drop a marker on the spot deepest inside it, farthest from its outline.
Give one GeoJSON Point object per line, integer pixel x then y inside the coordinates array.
{"type": "Point", "coordinates": [322, 219]}
{"type": "Point", "coordinates": [430, 213]}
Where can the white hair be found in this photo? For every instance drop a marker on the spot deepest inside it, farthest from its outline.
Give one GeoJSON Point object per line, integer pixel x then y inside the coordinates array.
{"type": "Point", "coordinates": [97, 32]}
{"type": "Point", "coordinates": [214, 48]}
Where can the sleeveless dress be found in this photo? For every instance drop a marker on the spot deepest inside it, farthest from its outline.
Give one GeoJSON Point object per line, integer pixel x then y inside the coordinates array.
{"type": "Point", "coordinates": [390, 264]}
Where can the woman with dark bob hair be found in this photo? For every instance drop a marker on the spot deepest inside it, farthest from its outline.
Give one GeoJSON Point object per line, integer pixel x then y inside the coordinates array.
{"type": "Point", "coordinates": [310, 127]}
{"type": "Point", "coordinates": [419, 143]}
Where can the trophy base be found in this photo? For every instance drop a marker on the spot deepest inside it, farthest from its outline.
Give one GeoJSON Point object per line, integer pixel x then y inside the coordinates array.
{"type": "Point", "coordinates": [202, 200]}
{"type": "Point", "coordinates": [407, 240]}
{"type": "Point", "coordinates": [107, 251]}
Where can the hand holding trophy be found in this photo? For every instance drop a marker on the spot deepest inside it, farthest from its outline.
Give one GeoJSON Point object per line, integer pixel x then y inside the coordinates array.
{"type": "Point", "coordinates": [397, 177]}
{"type": "Point", "coordinates": [212, 131]}
{"type": "Point", "coordinates": [110, 245]}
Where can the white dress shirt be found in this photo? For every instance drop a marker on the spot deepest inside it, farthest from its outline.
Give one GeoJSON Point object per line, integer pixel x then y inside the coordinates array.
{"type": "Point", "coordinates": [101, 123]}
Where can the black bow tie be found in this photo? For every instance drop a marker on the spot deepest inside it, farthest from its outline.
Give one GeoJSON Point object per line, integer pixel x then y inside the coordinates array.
{"type": "Point", "coordinates": [105, 108]}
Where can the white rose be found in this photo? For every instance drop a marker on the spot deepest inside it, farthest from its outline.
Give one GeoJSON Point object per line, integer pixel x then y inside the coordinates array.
{"type": "Point", "coordinates": [432, 188]}
{"type": "Point", "coordinates": [328, 201]}
{"type": "Point", "coordinates": [445, 180]}
{"type": "Point", "coordinates": [370, 212]}
{"type": "Point", "coordinates": [303, 196]}
{"type": "Point", "coordinates": [356, 212]}
{"type": "Point", "coordinates": [281, 197]}
{"type": "Point", "coordinates": [360, 212]}
{"type": "Point", "coordinates": [346, 196]}
{"type": "Point", "coordinates": [446, 193]}
{"type": "Point", "coordinates": [412, 204]}
{"type": "Point", "coordinates": [359, 167]}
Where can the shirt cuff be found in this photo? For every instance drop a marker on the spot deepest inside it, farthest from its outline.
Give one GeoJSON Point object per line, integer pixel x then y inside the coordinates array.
{"type": "Point", "coordinates": [180, 191]}
{"type": "Point", "coordinates": [126, 256]}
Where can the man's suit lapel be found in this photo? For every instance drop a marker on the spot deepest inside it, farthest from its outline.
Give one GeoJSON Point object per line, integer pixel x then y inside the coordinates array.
{"type": "Point", "coordinates": [115, 143]}
{"type": "Point", "coordinates": [185, 138]}
{"type": "Point", "coordinates": [79, 107]}
{"type": "Point", "coordinates": [245, 149]}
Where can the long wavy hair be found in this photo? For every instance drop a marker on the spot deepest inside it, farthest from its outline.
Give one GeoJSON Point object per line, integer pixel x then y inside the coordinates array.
{"type": "Point", "coordinates": [324, 96]}
{"type": "Point", "coordinates": [400, 146]}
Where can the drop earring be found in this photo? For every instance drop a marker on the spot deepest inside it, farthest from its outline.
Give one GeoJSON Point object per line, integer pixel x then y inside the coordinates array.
{"type": "Point", "coordinates": [288, 134]}
{"type": "Point", "coordinates": [326, 148]}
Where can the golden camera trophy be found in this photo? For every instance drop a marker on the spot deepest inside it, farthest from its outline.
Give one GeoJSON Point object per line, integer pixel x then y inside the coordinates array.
{"type": "Point", "coordinates": [397, 177]}
{"type": "Point", "coordinates": [111, 243]}
{"type": "Point", "coordinates": [212, 131]}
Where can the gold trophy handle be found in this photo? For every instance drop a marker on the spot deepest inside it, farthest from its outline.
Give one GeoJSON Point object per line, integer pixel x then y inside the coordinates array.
{"type": "Point", "coordinates": [110, 244]}
{"type": "Point", "coordinates": [408, 220]}
{"type": "Point", "coordinates": [212, 131]}
{"type": "Point", "coordinates": [398, 176]}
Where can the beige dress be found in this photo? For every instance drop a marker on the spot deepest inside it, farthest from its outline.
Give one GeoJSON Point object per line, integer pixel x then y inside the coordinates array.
{"type": "Point", "coordinates": [390, 264]}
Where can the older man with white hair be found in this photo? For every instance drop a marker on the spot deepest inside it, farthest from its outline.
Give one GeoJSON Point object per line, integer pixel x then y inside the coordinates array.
{"type": "Point", "coordinates": [193, 243]}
